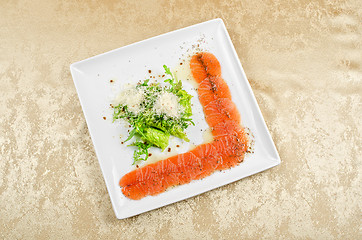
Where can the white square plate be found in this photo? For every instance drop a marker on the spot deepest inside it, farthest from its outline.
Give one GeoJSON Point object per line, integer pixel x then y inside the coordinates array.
{"type": "Point", "coordinates": [130, 64]}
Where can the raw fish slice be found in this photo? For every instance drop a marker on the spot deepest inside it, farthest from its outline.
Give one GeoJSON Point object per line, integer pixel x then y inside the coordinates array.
{"type": "Point", "coordinates": [211, 89]}
{"type": "Point", "coordinates": [134, 191]}
{"type": "Point", "coordinates": [230, 162]}
{"type": "Point", "coordinates": [138, 175]}
{"type": "Point", "coordinates": [204, 150]}
{"type": "Point", "coordinates": [229, 145]}
{"type": "Point", "coordinates": [226, 127]}
{"type": "Point", "coordinates": [198, 69]}
{"type": "Point", "coordinates": [209, 165]}
{"type": "Point", "coordinates": [219, 110]}
{"type": "Point", "coordinates": [203, 65]}
{"type": "Point", "coordinates": [211, 64]}
{"type": "Point", "coordinates": [209, 159]}
{"type": "Point", "coordinates": [188, 166]}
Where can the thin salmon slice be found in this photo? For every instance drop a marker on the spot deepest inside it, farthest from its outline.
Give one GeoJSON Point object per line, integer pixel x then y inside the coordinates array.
{"type": "Point", "coordinates": [226, 127]}
{"type": "Point", "coordinates": [212, 88]}
{"type": "Point", "coordinates": [197, 68]}
{"type": "Point", "coordinates": [212, 65]}
{"type": "Point", "coordinates": [209, 160]}
{"type": "Point", "coordinates": [139, 175]}
{"type": "Point", "coordinates": [187, 165]}
{"type": "Point", "coordinates": [134, 192]}
{"type": "Point", "coordinates": [204, 64]}
{"type": "Point", "coordinates": [142, 189]}
{"type": "Point", "coordinates": [227, 149]}
{"type": "Point", "coordinates": [222, 109]}
{"type": "Point", "coordinates": [236, 145]}
{"type": "Point", "coordinates": [230, 145]}
{"type": "Point", "coordinates": [230, 162]}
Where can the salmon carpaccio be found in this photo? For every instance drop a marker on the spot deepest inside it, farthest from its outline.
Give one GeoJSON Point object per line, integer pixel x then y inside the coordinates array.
{"type": "Point", "coordinates": [225, 151]}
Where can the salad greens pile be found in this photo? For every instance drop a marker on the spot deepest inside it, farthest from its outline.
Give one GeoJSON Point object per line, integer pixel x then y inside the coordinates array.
{"type": "Point", "coordinates": [152, 128]}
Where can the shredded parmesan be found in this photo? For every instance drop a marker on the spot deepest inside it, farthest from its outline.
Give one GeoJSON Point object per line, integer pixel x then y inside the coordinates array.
{"type": "Point", "coordinates": [132, 98]}
{"type": "Point", "coordinates": [167, 103]}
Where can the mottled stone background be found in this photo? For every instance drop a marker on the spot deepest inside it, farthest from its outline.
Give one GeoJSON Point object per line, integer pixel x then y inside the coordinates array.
{"type": "Point", "coordinates": [303, 60]}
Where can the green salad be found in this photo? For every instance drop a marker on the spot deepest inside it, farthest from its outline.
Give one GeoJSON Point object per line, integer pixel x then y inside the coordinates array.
{"type": "Point", "coordinates": [155, 113]}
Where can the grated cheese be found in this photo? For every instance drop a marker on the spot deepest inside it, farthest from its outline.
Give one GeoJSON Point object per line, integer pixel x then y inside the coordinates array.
{"type": "Point", "coordinates": [132, 98]}
{"type": "Point", "coordinates": [167, 103]}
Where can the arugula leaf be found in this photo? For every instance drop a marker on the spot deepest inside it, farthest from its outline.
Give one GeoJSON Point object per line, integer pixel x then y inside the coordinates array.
{"type": "Point", "coordinates": [175, 85]}
{"type": "Point", "coordinates": [167, 70]}
{"type": "Point", "coordinates": [141, 150]}
{"type": "Point", "coordinates": [144, 83]}
{"type": "Point", "coordinates": [131, 135]}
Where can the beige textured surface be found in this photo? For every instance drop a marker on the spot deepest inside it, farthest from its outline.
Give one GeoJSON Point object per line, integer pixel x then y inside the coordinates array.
{"type": "Point", "coordinates": [303, 60]}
